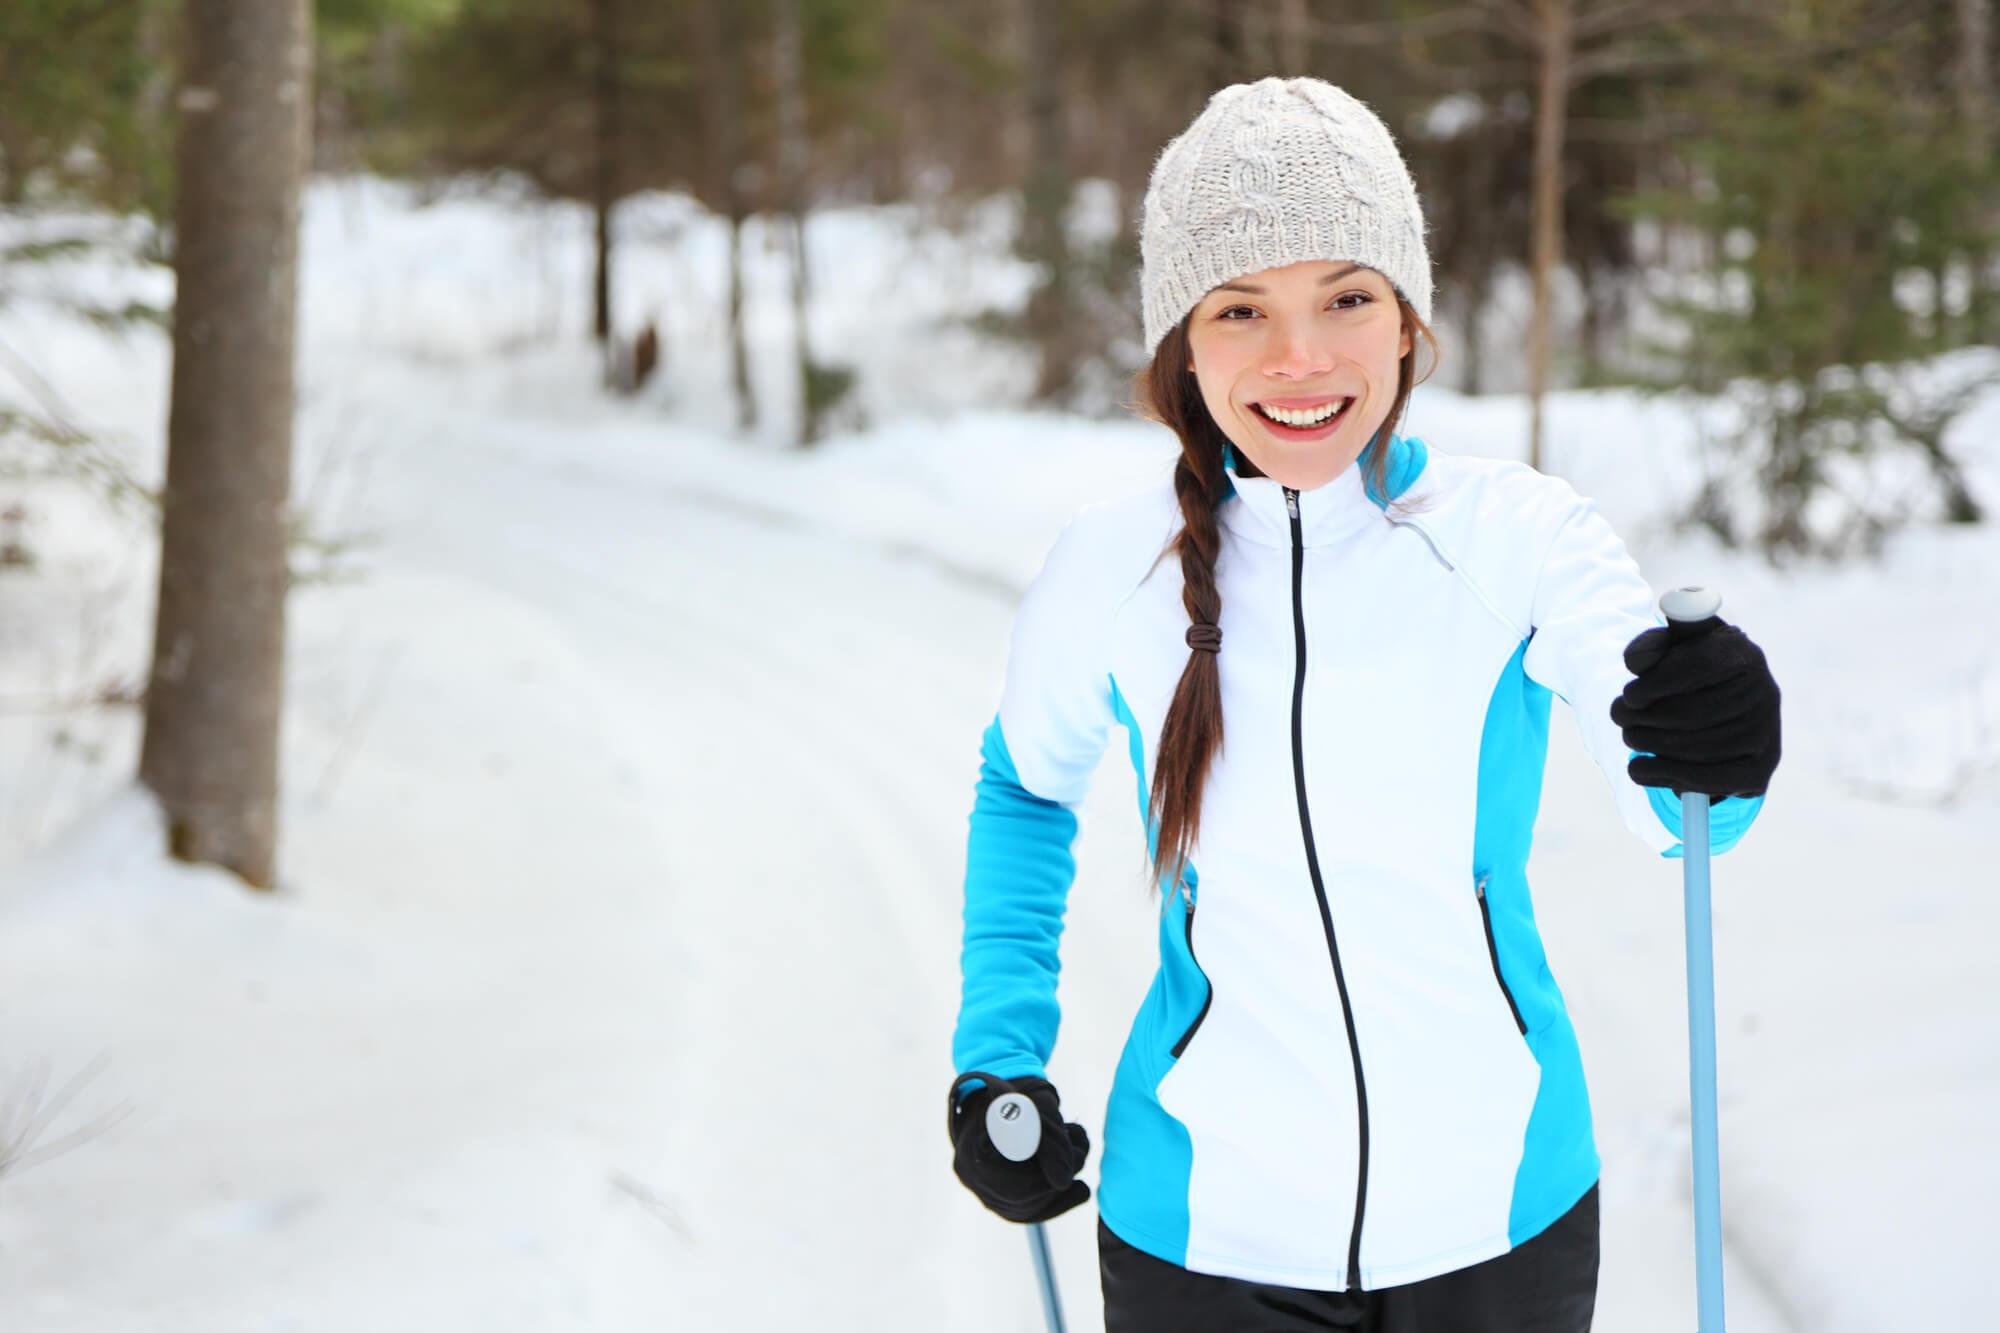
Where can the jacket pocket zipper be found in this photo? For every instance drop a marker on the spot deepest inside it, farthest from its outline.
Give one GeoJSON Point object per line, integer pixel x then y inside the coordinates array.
{"type": "Point", "coordinates": [1493, 952]}
{"type": "Point", "coordinates": [1193, 1027]}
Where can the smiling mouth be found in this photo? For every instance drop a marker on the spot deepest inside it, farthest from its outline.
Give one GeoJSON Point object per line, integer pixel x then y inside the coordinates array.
{"type": "Point", "coordinates": [1321, 423]}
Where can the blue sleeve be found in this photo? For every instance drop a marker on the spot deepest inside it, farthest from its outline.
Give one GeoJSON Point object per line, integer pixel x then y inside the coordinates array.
{"type": "Point", "coordinates": [1728, 819]}
{"type": "Point", "coordinates": [1018, 869]}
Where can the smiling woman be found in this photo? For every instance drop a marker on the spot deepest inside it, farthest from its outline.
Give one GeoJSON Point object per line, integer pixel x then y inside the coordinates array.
{"type": "Point", "coordinates": [1303, 373]}
{"type": "Point", "coordinates": [1352, 1097]}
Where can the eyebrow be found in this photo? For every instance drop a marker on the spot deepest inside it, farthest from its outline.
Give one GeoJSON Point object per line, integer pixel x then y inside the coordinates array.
{"type": "Point", "coordinates": [1326, 281]}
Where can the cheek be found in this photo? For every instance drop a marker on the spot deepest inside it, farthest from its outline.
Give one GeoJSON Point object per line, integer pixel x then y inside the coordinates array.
{"type": "Point", "coordinates": [1394, 347]}
{"type": "Point", "coordinates": [1216, 369]}
{"type": "Point", "coordinates": [1215, 392]}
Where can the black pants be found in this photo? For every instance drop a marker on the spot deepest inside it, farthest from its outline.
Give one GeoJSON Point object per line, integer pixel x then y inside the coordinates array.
{"type": "Point", "coordinates": [1547, 1285]}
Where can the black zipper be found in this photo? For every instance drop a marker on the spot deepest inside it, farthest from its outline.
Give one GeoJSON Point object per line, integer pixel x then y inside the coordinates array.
{"type": "Point", "coordinates": [1188, 1036]}
{"type": "Point", "coordinates": [1493, 952]}
{"type": "Point", "coordinates": [1319, 887]}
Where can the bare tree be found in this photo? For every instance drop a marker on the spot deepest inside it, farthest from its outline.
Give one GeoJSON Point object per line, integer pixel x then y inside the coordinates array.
{"type": "Point", "coordinates": [1555, 34]}
{"type": "Point", "coordinates": [605, 183]}
{"type": "Point", "coordinates": [1045, 202]}
{"type": "Point", "coordinates": [721, 38]}
{"type": "Point", "coordinates": [1229, 23]}
{"type": "Point", "coordinates": [1572, 43]}
{"type": "Point", "coordinates": [213, 703]}
{"type": "Point", "coordinates": [1973, 83]}
{"type": "Point", "coordinates": [1294, 38]}
{"type": "Point", "coordinates": [789, 69]}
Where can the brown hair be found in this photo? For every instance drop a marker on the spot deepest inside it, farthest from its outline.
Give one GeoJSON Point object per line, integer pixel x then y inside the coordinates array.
{"type": "Point", "coordinates": [1166, 391]}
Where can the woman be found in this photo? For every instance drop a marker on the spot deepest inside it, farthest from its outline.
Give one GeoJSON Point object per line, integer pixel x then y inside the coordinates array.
{"type": "Point", "coordinates": [1352, 1097]}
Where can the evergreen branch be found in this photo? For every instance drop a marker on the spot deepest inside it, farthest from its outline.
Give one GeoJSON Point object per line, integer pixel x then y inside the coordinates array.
{"type": "Point", "coordinates": [113, 319]}
{"type": "Point", "coordinates": [26, 50]}
{"type": "Point", "coordinates": [13, 422]}
{"type": "Point", "coordinates": [41, 252]}
{"type": "Point", "coordinates": [76, 447]}
{"type": "Point", "coordinates": [1616, 60]}
{"type": "Point", "coordinates": [1479, 17]}
{"type": "Point", "coordinates": [31, 1113]}
{"type": "Point", "coordinates": [1512, 19]}
{"type": "Point", "coordinates": [1632, 16]}
{"type": "Point", "coordinates": [38, 387]}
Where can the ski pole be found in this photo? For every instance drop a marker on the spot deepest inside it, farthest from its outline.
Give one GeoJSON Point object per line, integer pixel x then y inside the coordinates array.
{"type": "Point", "coordinates": [1683, 608]}
{"type": "Point", "coordinates": [1016, 1130]}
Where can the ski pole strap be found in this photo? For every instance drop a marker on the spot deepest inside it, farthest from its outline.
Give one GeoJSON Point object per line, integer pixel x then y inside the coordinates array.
{"type": "Point", "coordinates": [953, 1111]}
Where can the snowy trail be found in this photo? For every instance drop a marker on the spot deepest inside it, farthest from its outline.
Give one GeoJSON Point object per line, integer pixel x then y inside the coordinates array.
{"type": "Point", "coordinates": [844, 822]}
{"type": "Point", "coordinates": [630, 818]}
{"type": "Point", "coordinates": [691, 1074]}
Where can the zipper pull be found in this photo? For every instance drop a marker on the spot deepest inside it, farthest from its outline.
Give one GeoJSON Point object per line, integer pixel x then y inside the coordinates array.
{"type": "Point", "coordinates": [1291, 502]}
{"type": "Point", "coordinates": [1480, 887]}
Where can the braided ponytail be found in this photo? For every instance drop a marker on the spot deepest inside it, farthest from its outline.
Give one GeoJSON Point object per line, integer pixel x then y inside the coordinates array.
{"type": "Point", "coordinates": [1191, 733]}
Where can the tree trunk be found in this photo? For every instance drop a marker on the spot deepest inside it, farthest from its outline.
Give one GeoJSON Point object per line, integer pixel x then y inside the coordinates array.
{"type": "Point", "coordinates": [721, 41]}
{"type": "Point", "coordinates": [789, 62]}
{"type": "Point", "coordinates": [1974, 76]}
{"type": "Point", "coordinates": [1294, 38]}
{"type": "Point", "coordinates": [605, 184]}
{"type": "Point", "coordinates": [215, 696]}
{"type": "Point", "coordinates": [330, 123]}
{"type": "Point", "coordinates": [1225, 42]}
{"type": "Point", "coordinates": [159, 34]}
{"type": "Point", "coordinates": [14, 168]}
{"type": "Point", "coordinates": [1551, 101]}
{"type": "Point", "coordinates": [1478, 287]}
{"type": "Point", "coordinates": [1974, 86]}
{"type": "Point", "coordinates": [1481, 166]}
{"type": "Point", "coordinates": [1590, 334]}
{"type": "Point", "coordinates": [1045, 203]}
{"type": "Point", "coordinates": [739, 357]}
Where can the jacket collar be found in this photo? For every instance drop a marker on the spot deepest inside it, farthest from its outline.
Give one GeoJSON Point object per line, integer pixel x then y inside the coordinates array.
{"type": "Point", "coordinates": [1256, 507]}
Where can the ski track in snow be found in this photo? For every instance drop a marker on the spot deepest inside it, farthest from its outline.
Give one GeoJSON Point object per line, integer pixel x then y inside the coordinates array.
{"type": "Point", "coordinates": [819, 953]}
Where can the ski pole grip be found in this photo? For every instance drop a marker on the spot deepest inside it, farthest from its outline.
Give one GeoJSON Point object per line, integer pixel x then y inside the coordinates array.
{"type": "Point", "coordinates": [1688, 606]}
{"type": "Point", "coordinates": [1014, 1125]}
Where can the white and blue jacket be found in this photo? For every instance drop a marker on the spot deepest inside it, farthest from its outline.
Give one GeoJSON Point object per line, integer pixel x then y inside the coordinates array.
{"type": "Point", "coordinates": [1353, 1067]}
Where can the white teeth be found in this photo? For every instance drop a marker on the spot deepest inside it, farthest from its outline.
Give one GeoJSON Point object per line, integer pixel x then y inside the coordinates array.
{"type": "Point", "coordinates": [1313, 418]}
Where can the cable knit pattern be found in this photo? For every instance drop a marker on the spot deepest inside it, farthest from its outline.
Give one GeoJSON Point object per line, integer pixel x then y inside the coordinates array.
{"type": "Point", "coordinates": [1272, 173]}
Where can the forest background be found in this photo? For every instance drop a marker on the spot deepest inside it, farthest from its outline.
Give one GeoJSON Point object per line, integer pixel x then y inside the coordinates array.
{"type": "Point", "coordinates": [1793, 201]}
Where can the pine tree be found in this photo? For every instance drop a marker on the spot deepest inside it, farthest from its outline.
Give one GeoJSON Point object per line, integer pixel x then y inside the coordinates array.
{"type": "Point", "coordinates": [83, 93]}
{"type": "Point", "coordinates": [1823, 185]}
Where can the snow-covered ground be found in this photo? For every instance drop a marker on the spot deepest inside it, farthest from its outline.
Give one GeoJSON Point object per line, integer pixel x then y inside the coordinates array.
{"type": "Point", "coordinates": [611, 981]}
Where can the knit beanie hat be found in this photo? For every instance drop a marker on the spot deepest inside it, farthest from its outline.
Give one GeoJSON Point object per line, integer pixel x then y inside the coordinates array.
{"type": "Point", "coordinates": [1272, 173]}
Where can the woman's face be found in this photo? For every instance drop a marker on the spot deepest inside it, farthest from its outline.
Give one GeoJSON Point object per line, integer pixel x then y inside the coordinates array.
{"type": "Point", "coordinates": [1302, 339]}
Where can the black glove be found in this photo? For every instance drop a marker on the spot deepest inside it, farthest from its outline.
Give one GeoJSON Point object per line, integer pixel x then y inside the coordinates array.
{"type": "Point", "coordinates": [1704, 710]}
{"type": "Point", "coordinates": [1031, 1191]}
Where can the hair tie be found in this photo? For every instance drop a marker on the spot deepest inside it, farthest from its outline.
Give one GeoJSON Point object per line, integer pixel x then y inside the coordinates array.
{"type": "Point", "coordinates": [1205, 638]}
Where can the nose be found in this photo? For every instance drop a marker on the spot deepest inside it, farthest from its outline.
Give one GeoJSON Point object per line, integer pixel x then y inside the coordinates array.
{"type": "Point", "coordinates": [1294, 353]}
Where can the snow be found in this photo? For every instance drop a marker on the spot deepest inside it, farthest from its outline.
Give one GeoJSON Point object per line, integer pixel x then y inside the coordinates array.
{"type": "Point", "coordinates": [611, 978]}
